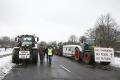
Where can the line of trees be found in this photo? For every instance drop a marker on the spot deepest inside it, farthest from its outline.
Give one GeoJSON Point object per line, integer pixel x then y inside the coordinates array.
{"type": "Point", "coordinates": [5, 41]}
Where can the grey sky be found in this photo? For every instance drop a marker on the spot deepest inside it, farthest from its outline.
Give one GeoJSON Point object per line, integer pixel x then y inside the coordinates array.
{"type": "Point", "coordinates": [53, 19]}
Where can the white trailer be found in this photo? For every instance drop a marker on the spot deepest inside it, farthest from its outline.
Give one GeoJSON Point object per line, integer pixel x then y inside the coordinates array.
{"type": "Point", "coordinates": [72, 51]}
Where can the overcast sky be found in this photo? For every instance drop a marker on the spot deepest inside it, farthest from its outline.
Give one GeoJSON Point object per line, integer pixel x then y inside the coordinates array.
{"type": "Point", "coordinates": [53, 19]}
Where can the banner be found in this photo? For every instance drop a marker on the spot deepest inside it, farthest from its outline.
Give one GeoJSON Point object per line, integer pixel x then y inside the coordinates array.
{"type": "Point", "coordinates": [103, 54]}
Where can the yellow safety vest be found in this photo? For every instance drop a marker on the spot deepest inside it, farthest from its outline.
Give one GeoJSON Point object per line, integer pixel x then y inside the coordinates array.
{"type": "Point", "coordinates": [49, 51]}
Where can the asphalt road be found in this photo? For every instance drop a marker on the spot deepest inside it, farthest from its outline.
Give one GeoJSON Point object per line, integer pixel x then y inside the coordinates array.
{"type": "Point", "coordinates": [63, 69]}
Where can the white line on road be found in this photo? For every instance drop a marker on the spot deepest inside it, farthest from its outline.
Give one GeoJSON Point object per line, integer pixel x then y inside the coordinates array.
{"type": "Point", "coordinates": [65, 68]}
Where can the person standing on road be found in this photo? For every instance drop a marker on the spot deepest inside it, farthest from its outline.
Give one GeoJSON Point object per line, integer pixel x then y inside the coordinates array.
{"type": "Point", "coordinates": [50, 54]}
{"type": "Point", "coordinates": [46, 53]}
{"type": "Point", "coordinates": [41, 54]}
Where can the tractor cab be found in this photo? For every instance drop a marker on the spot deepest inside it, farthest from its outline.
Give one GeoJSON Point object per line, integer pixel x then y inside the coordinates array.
{"type": "Point", "coordinates": [26, 40]}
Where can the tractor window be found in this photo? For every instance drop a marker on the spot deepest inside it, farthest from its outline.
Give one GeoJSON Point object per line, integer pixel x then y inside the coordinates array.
{"type": "Point", "coordinates": [27, 39]}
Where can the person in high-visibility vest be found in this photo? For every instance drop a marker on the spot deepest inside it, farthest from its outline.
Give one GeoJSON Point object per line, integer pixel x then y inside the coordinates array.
{"type": "Point", "coordinates": [50, 54]}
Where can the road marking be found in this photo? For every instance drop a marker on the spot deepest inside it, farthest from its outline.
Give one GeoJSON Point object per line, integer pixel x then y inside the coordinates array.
{"type": "Point", "coordinates": [65, 68]}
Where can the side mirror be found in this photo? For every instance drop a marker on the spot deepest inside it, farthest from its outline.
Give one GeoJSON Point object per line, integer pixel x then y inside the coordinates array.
{"type": "Point", "coordinates": [37, 39]}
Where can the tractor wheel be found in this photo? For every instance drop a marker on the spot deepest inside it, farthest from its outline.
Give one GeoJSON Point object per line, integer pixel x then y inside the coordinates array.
{"type": "Point", "coordinates": [35, 56]}
{"type": "Point", "coordinates": [87, 58]}
{"type": "Point", "coordinates": [77, 54]}
{"type": "Point", "coordinates": [15, 56]}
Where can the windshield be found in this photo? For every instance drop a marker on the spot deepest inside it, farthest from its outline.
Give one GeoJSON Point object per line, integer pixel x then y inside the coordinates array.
{"type": "Point", "coordinates": [26, 41]}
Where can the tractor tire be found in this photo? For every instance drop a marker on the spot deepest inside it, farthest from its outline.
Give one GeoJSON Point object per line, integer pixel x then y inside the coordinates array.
{"type": "Point", "coordinates": [77, 54]}
{"type": "Point", "coordinates": [35, 56]}
{"type": "Point", "coordinates": [87, 58]}
{"type": "Point", "coordinates": [15, 56]}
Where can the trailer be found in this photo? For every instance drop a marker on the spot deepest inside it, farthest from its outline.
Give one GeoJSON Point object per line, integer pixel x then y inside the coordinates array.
{"type": "Point", "coordinates": [72, 51]}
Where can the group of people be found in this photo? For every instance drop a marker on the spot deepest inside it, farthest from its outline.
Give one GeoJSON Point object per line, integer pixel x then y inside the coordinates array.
{"type": "Point", "coordinates": [46, 51]}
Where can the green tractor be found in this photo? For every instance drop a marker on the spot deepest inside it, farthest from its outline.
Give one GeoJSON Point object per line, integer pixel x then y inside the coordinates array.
{"type": "Point", "coordinates": [93, 54]}
{"type": "Point", "coordinates": [88, 53]}
{"type": "Point", "coordinates": [26, 49]}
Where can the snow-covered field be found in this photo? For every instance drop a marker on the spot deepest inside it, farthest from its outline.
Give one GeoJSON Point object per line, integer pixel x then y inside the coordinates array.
{"type": "Point", "coordinates": [7, 51]}
{"type": "Point", "coordinates": [116, 62]}
{"type": "Point", "coordinates": [6, 64]}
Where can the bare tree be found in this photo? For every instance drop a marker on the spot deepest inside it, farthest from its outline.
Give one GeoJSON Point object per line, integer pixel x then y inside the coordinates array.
{"type": "Point", "coordinates": [91, 33]}
{"type": "Point", "coordinates": [53, 43]}
{"type": "Point", "coordinates": [5, 41]}
{"type": "Point", "coordinates": [105, 32]}
{"type": "Point", "coordinates": [72, 39]}
{"type": "Point", "coordinates": [12, 43]}
{"type": "Point", "coordinates": [82, 39]}
{"type": "Point", "coordinates": [42, 44]}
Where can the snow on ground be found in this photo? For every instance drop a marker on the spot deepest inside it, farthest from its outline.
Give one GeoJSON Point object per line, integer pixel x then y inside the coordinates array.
{"type": "Point", "coordinates": [7, 51]}
{"type": "Point", "coordinates": [116, 62]}
{"type": "Point", "coordinates": [5, 66]}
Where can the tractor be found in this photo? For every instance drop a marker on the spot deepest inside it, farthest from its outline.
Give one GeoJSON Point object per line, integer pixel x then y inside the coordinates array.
{"type": "Point", "coordinates": [95, 54]}
{"type": "Point", "coordinates": [88, 53]}
{"type": "Point", "coordinates": [59, 49]}
{"type": "Point", "coordinates": [26, 49]}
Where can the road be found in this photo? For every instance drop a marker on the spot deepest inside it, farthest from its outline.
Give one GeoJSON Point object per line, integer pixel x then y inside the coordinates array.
{"type": "Point", "coordinates": [62, 69]}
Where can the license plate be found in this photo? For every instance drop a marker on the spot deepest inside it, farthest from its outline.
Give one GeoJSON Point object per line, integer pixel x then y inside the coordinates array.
{"type": "Point", "coordinates": [24, 54]}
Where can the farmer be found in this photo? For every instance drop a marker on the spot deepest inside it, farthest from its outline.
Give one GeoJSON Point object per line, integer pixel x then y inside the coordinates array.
{"type": "Point", "coordinates": [41, 54]}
